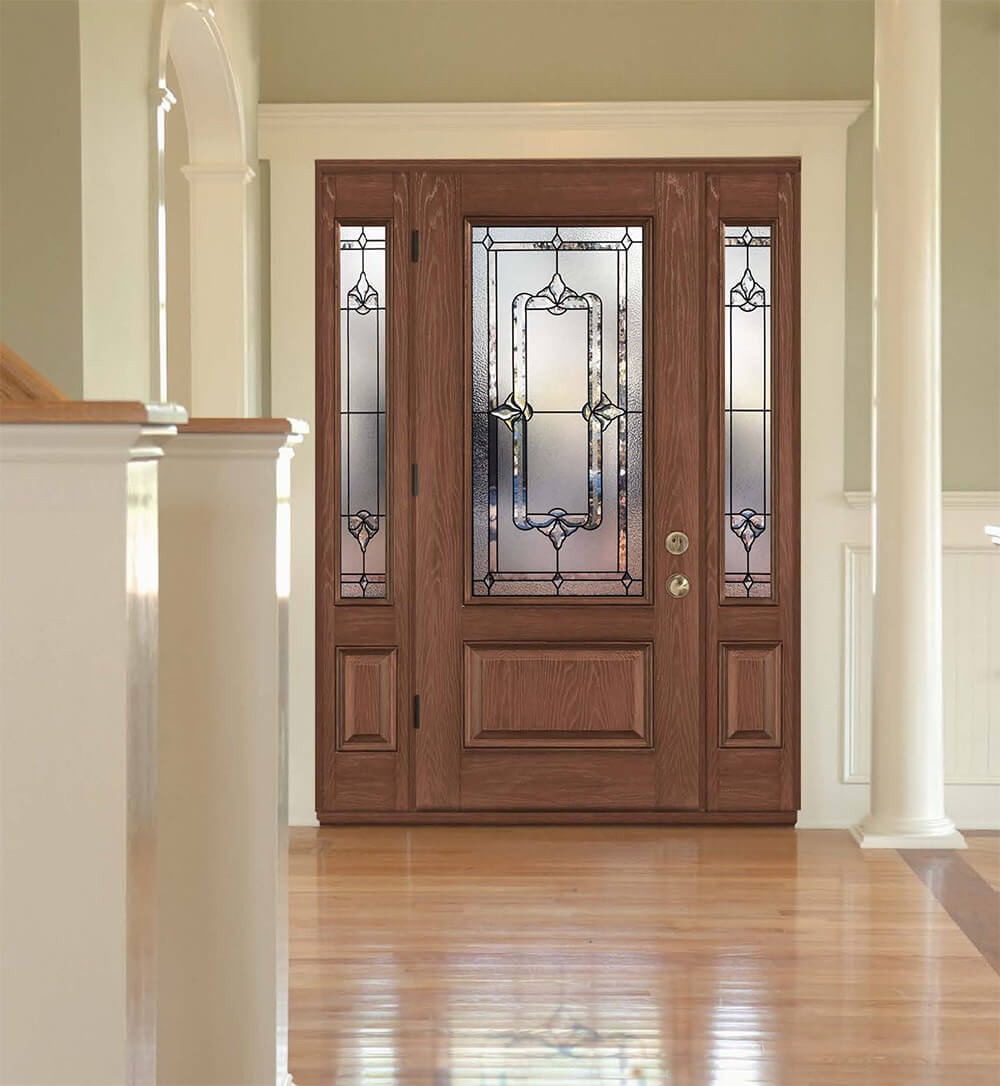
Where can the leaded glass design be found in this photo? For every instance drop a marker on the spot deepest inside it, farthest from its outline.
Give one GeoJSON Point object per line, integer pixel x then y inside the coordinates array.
{"type": "Point", "coordinates": [363, 513]}
{"type": "Point", "coordinates": [557, 410]}
{"type": "Point", "coordinates": [747, 526]}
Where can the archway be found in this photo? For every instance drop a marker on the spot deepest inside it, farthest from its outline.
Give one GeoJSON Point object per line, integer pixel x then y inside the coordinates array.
{"type": "Point", "coordinates": [216, 378]}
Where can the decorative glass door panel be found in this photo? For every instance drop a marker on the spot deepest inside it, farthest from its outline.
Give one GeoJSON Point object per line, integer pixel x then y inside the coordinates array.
{"type": "Point", "coordinates": [747, 406]}
{"type": "Point", "coordinates": [557, 491]}
{"type": "Point", "coordinates": [363, 509]}
{"type": "Point", "coordinates": [557, 410]}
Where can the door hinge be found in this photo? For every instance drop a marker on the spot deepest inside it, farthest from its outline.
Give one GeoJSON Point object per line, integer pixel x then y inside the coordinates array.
{"type": "Point", "coordinates": [415, 478]}
{"type": "Point", "coordinates": [415, 246]}
{"type": "Point", "coordinates": [416, 712]}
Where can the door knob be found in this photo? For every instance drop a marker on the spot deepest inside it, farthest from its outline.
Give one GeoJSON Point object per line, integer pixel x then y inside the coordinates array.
{"type": "Point", "coordinates": [678, 586]}
{"type": "Point", "coordinates": [677, 543]}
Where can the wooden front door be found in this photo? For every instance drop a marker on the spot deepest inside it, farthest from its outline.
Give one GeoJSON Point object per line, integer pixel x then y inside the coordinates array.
{"type": "Point", "coordinates": [557, 491]}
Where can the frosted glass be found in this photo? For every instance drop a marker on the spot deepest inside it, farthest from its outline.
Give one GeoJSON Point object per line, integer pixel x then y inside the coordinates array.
{"type": "Point", "coordinates": [747, 516]}
{"type": "Point", "coordinates": [361, 289]}
{"type": "Point", "coordinates": [557, 410]}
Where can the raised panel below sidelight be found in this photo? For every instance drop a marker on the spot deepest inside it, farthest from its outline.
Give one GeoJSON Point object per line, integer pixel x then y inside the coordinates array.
{"type": "Point", "coordinates": [366, 702]}
{"type": "Point", "coordinates": [750, 695]}
{"type": "Point", "coordinates": [557, 696]}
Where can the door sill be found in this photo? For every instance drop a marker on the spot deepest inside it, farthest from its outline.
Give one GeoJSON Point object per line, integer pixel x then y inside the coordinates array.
{"type": "Point", "coordinates": [556, 818]}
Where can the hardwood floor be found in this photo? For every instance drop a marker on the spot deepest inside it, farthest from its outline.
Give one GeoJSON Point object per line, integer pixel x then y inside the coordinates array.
{"type": "Point", "coordinates": [479, 956]}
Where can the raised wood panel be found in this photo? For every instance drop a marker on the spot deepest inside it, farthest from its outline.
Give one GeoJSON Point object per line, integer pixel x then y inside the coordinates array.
{"type": "Point", "coordinates": [750, 695]}
{"type": "Point", "coordinates": [366, 706]}
{"type": "Point", "coordinates": [557, 696]}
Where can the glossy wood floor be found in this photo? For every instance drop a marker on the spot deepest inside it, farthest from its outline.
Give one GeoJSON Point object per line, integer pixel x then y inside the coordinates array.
{"type": "Point", "coordinates": [630, 955]}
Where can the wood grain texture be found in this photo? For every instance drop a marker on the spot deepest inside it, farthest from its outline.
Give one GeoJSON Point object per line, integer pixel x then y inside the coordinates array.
{"type": "Point", "coordinates": [439, 384]}
{"type": "Point", "coordinates": [984, 854]}
{"type": "Point", "coordinates": [557, 191]}
{"type": "Point", "coordinates": [20, 381]}
{"type": "Point", "coordinates": [349, 778]}
{"type": "Point", "coordinates": [97, 412]}
{"type": "Point", "coordinates": [748, 780]}
{"type": "Point", "coordinates": [750, 695]}
{"type": "Point", "coordinates": [577, 955]}
{"type": "Point", "coordinates": [546, 696]}
{"type": "Point", "coordinates": [550, 817]}
{"type": "Point", "coordinates": [971, 901]}
{"type": "Point", "coordinates": [733, 773]}
{"type": "Point", "coordinates": [366, 701]}
{"type": "Point", "coordinates": [677, 766]}
{"type": "Point", "coordinates": [677, 459]}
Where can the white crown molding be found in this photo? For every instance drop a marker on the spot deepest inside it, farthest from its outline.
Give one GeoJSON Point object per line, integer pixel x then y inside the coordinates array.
{"type": "Point", "coordinates": [950, 499]}
{"type": "Point", "coordinates": [560, 116]}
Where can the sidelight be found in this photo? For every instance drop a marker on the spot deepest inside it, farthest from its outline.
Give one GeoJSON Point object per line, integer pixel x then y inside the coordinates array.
{"type": "Point", "coordinates": [747, 498]}
{"type": "Point", "coordinates": [557, 410]}
{"type": "Point", "coordinates": [363, 513]}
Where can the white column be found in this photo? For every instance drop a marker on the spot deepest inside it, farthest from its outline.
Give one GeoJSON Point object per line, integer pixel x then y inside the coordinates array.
{"type": "Point", "coordinates": [78, 629]}
{"type": "Point", "coordinates": [907, 791]}
{"type": "Point", "coordinates": [223, 773]}
{"type": "Point", "coordinates": [220, 384]}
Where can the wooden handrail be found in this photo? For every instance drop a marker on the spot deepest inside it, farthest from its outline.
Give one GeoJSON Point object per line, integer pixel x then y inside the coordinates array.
{"type": "Point", "coordinates": [19, 381]}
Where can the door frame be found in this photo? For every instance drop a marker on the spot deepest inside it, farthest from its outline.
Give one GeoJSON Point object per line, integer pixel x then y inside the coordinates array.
{"type": "Point", "coordinates": [737, 784]}
{"type": "Point", "coordinates": [293, 136]}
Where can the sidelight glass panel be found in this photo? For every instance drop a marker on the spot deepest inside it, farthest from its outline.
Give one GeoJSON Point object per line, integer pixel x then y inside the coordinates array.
{"type": "Point", "coordinates": [747, 518]}
{"type": "Point", "coordinates": [557, 403]}
{"type": "Point", "coordinates": [363, 511]}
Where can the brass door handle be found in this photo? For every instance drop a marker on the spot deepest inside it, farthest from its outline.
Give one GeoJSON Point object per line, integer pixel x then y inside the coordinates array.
{"type": "Point", "coordinates": [678, 586]}
{"type": "Point", "coordinates": [677, 543]}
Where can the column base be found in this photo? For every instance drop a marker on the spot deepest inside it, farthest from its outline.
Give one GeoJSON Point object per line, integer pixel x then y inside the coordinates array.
{"type": "Point", "coordinates": [908, 833]}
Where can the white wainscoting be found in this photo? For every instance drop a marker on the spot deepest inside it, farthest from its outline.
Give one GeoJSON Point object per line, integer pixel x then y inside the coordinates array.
{"type": "Point", "coordinates": [971, 580]}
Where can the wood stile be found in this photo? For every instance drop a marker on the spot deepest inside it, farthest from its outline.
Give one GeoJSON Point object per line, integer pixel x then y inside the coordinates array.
{"type": "Point", "coordinates": [557, 709]}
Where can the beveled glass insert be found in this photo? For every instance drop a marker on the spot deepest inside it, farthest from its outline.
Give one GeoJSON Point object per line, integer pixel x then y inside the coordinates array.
{"type": "Point", "coordinates": [363, 514]}
{"type": "Point", "coordinates": [557, 408]}
{"type": "Point", "coordinates": [747, 496]}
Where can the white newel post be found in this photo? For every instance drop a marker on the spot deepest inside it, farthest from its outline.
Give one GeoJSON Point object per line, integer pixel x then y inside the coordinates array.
{"type": "Point", "coordinates": [220, 383]}
{"type": "Point", "coordinates": [907, 780]}
{"type": "Point", "coordinates": [223, 805]}
{"type": "Point", "coordinates": [78, 642]}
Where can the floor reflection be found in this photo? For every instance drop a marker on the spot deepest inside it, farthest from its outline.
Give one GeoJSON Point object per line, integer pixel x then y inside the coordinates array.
{"type": "Point", "coordinates": [494, 957]}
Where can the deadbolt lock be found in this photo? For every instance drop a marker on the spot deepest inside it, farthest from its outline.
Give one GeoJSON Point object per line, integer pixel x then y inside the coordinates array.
{"type": "Point", "coordinates": [677, 543]}
{"type": "Point", "coordinates": [678, 586]}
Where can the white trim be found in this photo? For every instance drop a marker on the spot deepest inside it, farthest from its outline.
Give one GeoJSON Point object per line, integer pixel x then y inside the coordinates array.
{"type": "Point", "coordinates": [850, 671]}
{"type": "Point", "coordinates": [294, 136]}
{"type": "Point", "coordinates": [848, 774]}
{"type": "Point", "coordinates": [219, 171]}
{"type": "Point", "coordinates": [951, 499]}
{"type": "Point", "coordinates": [948, 838]}
{"type": "Point", "coordinates": [278, 118]}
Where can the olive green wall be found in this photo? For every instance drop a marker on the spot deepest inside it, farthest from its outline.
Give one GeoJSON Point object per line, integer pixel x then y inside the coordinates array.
{"type": "Point", "coordinates": [588, 50]}
{"type": "Point", "coordinates": [594, 50]}
{"type": "Point", "coordinates": [41, 313]}
{"type": "Point", "coordinates": [970, 244]}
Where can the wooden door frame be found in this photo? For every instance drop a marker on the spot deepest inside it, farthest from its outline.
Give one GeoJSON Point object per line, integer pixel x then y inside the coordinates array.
{"type": "Point", "coordinates": [293, 136]}
{"type": "Point", "coordinates": [711, 170]}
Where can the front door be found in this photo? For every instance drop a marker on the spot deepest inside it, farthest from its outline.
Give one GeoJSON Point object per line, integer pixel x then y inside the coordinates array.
{"type": "Point", "coordinates": [557, 529]}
